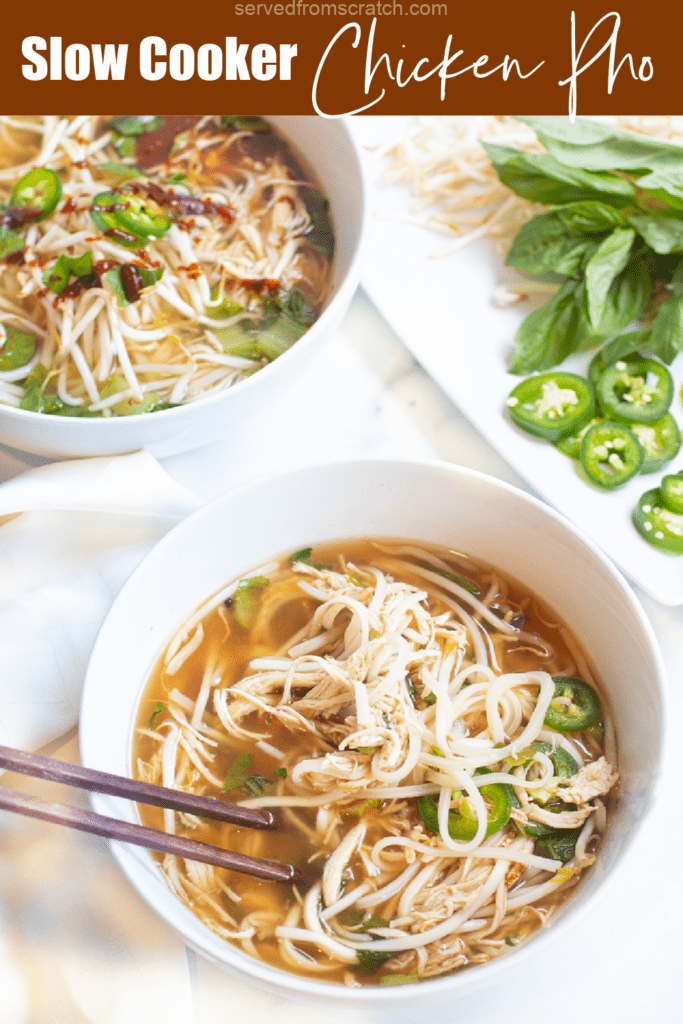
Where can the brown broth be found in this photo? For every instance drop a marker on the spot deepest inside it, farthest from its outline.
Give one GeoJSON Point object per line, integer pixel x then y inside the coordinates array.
{"type": "Point", "coordinates": [231, 648]}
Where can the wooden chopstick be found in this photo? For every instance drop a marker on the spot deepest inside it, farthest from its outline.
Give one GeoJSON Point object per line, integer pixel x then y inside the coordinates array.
{"type": "Point", "coordinates": [140, 835]}
{"type": "Point", "coordinates": [142, 792]}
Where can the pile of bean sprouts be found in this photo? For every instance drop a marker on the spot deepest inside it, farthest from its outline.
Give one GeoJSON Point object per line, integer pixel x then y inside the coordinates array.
{"type": "Point", "coordinates": [163, 343]}
{"type": "Point", "coordinates": [455, 190]}
{"type": "Point", "coordinates": [392, 690]}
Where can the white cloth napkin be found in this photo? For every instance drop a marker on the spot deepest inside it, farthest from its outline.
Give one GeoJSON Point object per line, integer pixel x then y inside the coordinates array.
{"type": "Point", "coordinates": [85, 526]}
{"type": "Point", "coordinates": [77, 945]}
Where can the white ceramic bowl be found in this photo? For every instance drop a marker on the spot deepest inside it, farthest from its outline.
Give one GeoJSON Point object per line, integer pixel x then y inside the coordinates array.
{"type": "Point", "coordinates": [328, 147]}
{"type": "Point", "coordinates": [434, 502]}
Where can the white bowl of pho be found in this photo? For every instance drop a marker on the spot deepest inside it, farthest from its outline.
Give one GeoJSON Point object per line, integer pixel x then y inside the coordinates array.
{"type": "Point", "coordinates": [163, 278]}
{"type": "Point", "coordinates": [449, 698]}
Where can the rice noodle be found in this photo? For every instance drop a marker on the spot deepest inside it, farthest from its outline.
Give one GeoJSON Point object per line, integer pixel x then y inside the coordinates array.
{"type": "Point", "coordinates": [382, 705]}
{"type": "Point", "coordinates": [254, 252]}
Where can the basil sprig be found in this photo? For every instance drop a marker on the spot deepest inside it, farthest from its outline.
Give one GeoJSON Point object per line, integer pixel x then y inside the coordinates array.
{"type": "Point", "coordinates": [613, 230]}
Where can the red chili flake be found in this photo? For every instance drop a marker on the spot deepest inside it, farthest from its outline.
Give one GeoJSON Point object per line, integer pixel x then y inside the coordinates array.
{"type": "Point", "coordinates": [69, 205]}
{"type": "Point", "coordinates": [81, 164]}
{"type": "Point", "coordinates": [261, 284]}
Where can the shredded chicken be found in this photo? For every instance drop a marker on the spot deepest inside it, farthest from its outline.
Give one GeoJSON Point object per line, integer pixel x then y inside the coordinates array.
{"type": "Point", "coordinates": [387, 701]}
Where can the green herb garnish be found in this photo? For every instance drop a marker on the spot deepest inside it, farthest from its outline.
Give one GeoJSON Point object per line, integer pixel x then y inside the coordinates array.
{"type": "Point", "coordinates": [246, 600]}
{"type": "Point", "coordinates": [238, 773]}
{"type": "Point", "coordinates": [159, 707]}
{"type": "Point", "coordinates": [615, 226]}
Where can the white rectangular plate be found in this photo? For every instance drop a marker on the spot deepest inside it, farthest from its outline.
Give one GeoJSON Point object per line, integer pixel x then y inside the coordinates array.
{"type": "Point", "coordinates": [441, 308]}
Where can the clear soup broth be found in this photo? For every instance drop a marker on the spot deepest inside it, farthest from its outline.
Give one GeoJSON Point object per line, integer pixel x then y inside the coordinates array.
{"type": "Point", "coordinates": [432, 741]}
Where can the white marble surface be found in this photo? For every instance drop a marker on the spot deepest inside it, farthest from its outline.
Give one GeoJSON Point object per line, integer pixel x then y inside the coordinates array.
{"type": "Point", "coordinates": [365, 395]}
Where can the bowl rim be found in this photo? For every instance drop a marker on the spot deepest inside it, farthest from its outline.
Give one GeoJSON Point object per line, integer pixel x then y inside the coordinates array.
{"type": "Point", "coordinates": [469, 981]}
{"type": "Point", "coordinates": [348, 281]}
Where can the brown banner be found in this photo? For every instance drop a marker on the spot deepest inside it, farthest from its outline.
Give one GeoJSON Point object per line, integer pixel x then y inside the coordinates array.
{"type": "Point", "coordinates": [376, 58]}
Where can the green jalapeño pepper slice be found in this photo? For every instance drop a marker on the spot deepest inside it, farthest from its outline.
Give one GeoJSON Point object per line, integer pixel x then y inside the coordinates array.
{"type": "Point", "coordinates": [660, 527]}
{"type": "Point", "coordinates": [575, 705]}
{"type": "Point", "coordinates": [551, 405]}
{"type": "Point", "coordinates": [39, 190]}
{"type": "Point", "coordinates": [462, 824]}
{"type": "Point", "coordinates": [635, 390]}
{"type": "Point", "coordinates": [104, 215]}
{"type": "Point", "coordinates": [141, 216]}
{"type": "Point", "coordinates": [610, 454]}
{"type": "Point", "coordinates": [660, 441]}
{"type": "Point", "coordinates": [672, 492]}
{"type": "Point", "coordinates": [570, 444]}
{"type": "Point", "coordinates": [564, 764]}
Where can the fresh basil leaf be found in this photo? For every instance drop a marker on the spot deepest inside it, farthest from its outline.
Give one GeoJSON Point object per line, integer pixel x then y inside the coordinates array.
{"type": "Point", "coordinates": [559, 845]}
{"type": "Point", "coordinates": [129, 125]}
{"type": "Point", "coordinates": [238, 772]}
{"type": "Point", "coordinates": [624, 344]}
{"type": "Point", "coordinates": [662, 232]}
{"type": "Point", "coordinates": [17, 349]}
{"type": "Point", "coordinates": [666, 338]}
{"type": "Point", "coordinates": [257, 785]}
{"type": "Point", "coordinates": [296, 306]}
{"type": "Point", "coordinates": [124, 171]}
{"type": "Point", "coordinates": [625, 301]}
{"type": "Point", "coordinates": [545, 244]}
{"type": "Point", "coordinates": [600, 147]}
{"type": "Point", "coordinates": [548, 335]}
{"type": "Point", "coordinates": [369, 962]}
{"type": "Point", "coordinates": [663, 187]}
{"type": "Point", "coordinates": [148, 275]}
{"type": "Point", "coordinates": [590, 217]}
{"type": "Point", "coordinates": [541, 178]}
{"type": "Point", "coordinates": [57, 277]}
{"type": "Point", "coordinates": [319, 232]}
{"type": "Point", "coordinates": [609, 260]}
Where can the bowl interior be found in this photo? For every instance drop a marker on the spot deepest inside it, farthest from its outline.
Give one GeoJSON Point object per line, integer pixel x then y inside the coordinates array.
{"type": "Point", "coordinates": [433, 502]}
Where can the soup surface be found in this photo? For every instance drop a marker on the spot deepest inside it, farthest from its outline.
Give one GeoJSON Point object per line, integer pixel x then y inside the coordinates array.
{"type": "Point", "coordinates": [150, 261]}
{"type": "Point", "coordinates": [431, 739]}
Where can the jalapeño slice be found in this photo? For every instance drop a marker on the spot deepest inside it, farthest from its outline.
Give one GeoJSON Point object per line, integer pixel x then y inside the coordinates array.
{"type": "Point", "coordinates": [39, 190]}
{"type": "Point", "coordinates": [462, 824]}
{"type": "Point", "coordinates": [635, 390]}
{"type": "Point", "coordinates": [104, 215]}
{"type": "Point", "coordinates": [551, 405]}
{"type": "Point", "coordinates": [141, 216]}
{"type": "Point", "coordinates": [660, 441]}
{"type": "Point", "coordinates": [672, 492]}
{"type": "Point", "coordinates": [657, 524]}
{"type": "Point", "coordinates": [575, 705]}
{"type": "Point", "coordinates": [610, 454]}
